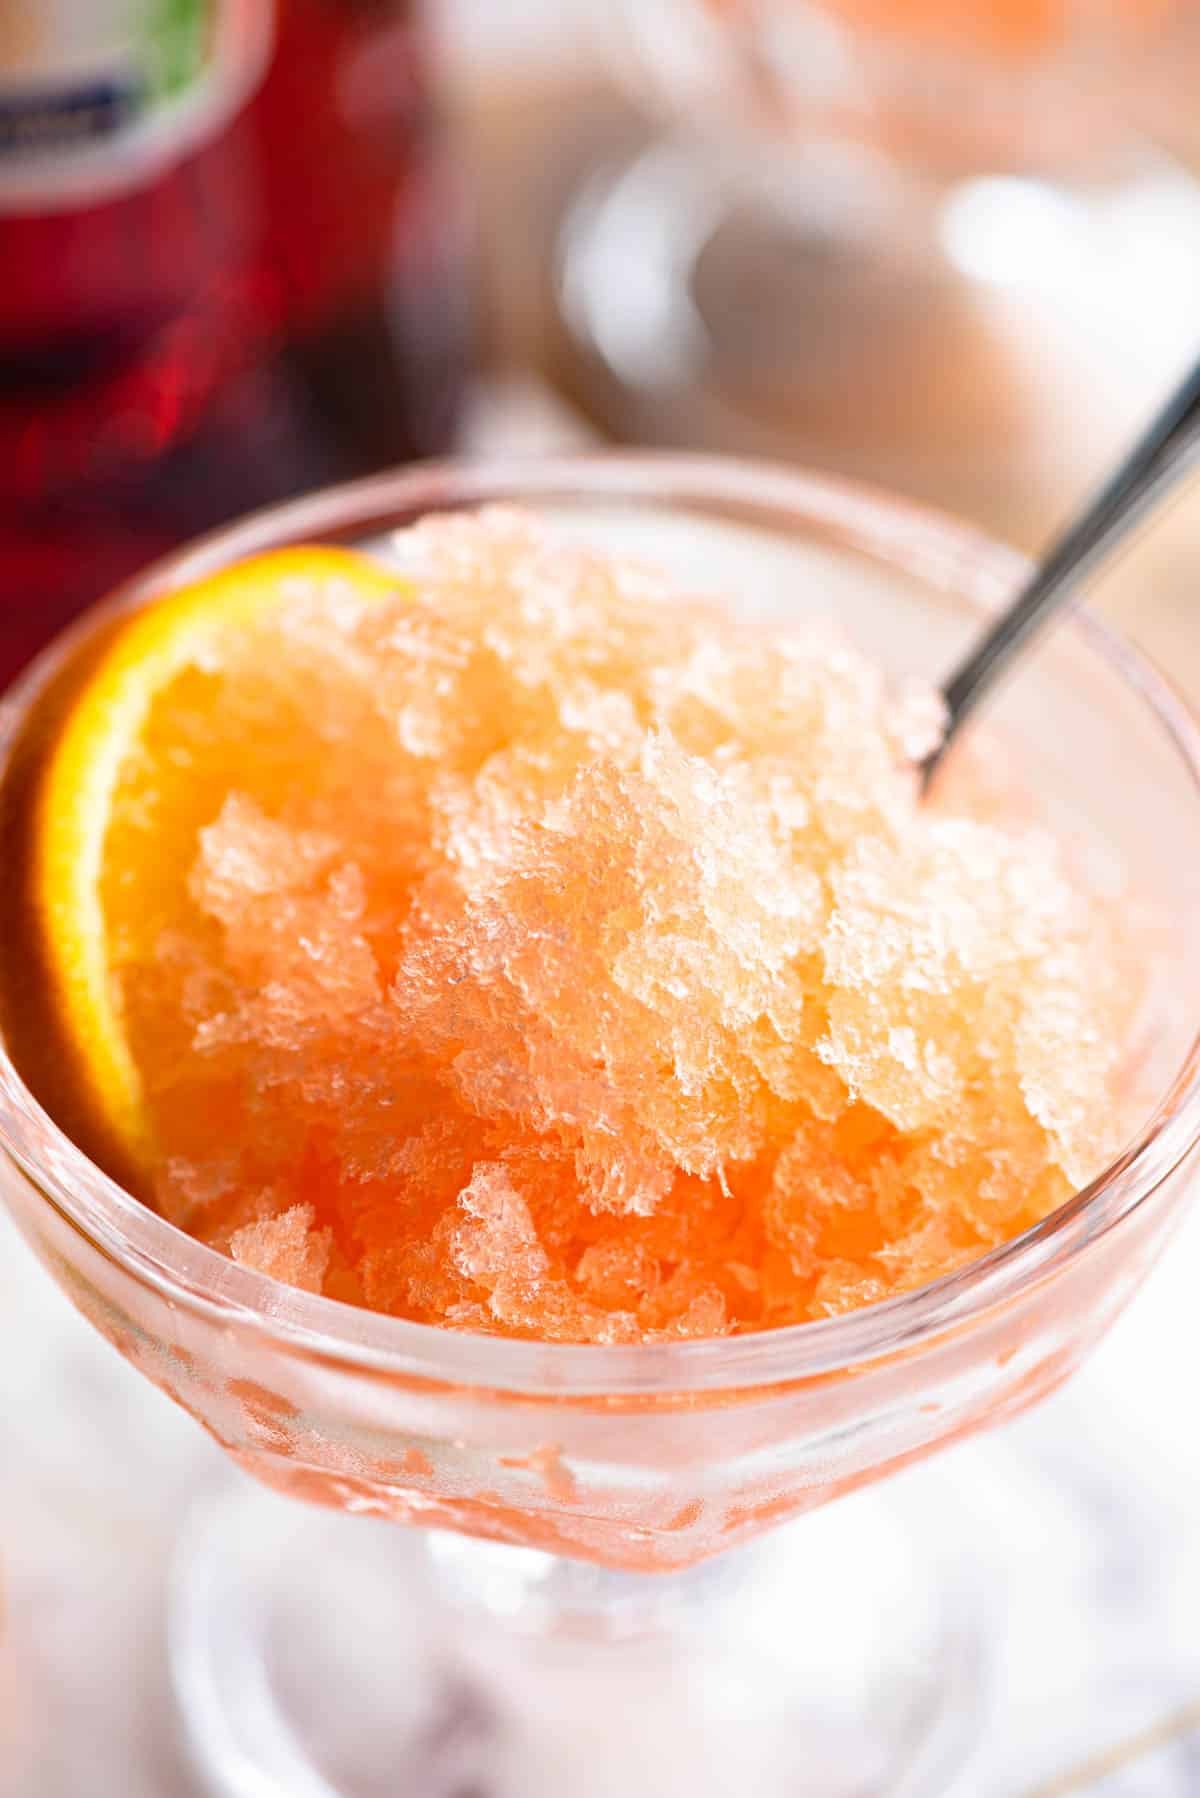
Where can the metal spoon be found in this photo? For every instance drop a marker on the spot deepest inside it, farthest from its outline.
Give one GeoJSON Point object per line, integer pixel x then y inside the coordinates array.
{"type": "Point", "coordinates": [1155, 463]}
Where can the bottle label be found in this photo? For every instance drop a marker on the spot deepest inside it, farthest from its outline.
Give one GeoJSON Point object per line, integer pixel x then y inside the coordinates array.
{"type": "Point", "coordinates": [97, 95]}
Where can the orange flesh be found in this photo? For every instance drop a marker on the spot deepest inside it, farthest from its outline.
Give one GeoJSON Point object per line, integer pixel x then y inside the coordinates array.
{"type": "Point", "coordinates": [531, 950]}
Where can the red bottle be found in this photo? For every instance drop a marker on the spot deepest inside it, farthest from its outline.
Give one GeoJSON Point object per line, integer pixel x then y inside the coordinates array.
{"type": "Point", "coordinates": [231, 267]}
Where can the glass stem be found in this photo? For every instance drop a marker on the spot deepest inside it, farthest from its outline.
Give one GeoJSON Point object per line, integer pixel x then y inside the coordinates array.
{"type": "Point", "coordinates": [538, 1594]}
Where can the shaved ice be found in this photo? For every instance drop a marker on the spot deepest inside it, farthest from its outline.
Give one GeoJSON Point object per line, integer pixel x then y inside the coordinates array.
{"type": "Point", "coordinates": [566, 957]}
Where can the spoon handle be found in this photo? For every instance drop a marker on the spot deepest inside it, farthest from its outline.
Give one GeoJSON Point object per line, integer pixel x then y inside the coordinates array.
{"type": "Point", "coordinates": [1158, 458]}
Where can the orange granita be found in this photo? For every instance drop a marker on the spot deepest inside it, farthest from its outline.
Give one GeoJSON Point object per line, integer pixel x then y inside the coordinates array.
{"type": "Point", "coordinates": [553, 954]}
{"type": "Point", "coordinates": [1002, 28]}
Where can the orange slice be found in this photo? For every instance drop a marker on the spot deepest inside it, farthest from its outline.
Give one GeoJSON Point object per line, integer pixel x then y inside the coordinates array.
{"type": "Point", "coordinates": [87, 905]}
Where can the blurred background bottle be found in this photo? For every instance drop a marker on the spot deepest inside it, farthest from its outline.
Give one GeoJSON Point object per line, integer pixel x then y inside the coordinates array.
{"type": "Point", "coordinates": [231, 267]}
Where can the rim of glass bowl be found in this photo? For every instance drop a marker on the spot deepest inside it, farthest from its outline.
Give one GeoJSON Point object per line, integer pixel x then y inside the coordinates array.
{"type": "Point", "coordinates": [919, 543]}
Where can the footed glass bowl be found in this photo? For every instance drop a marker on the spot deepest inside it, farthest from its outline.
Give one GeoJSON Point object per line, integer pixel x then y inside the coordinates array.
{"type": "Point", "coordinates": [898, 238]}
{"type": "Point", "coordinates": [313, 1655]}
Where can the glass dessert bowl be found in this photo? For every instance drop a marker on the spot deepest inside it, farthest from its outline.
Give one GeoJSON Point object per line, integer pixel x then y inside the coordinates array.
{"type": "Point", "coordinates": [912, 202]}
{"type": "Point", "coordinates": [571, 1471]}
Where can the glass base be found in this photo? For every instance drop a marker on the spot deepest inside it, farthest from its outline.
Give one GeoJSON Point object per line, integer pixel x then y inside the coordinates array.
{"type": "Point", "coordinates": [983, 344]}
{"type": "Point", "coordinates": [322, 1656]}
